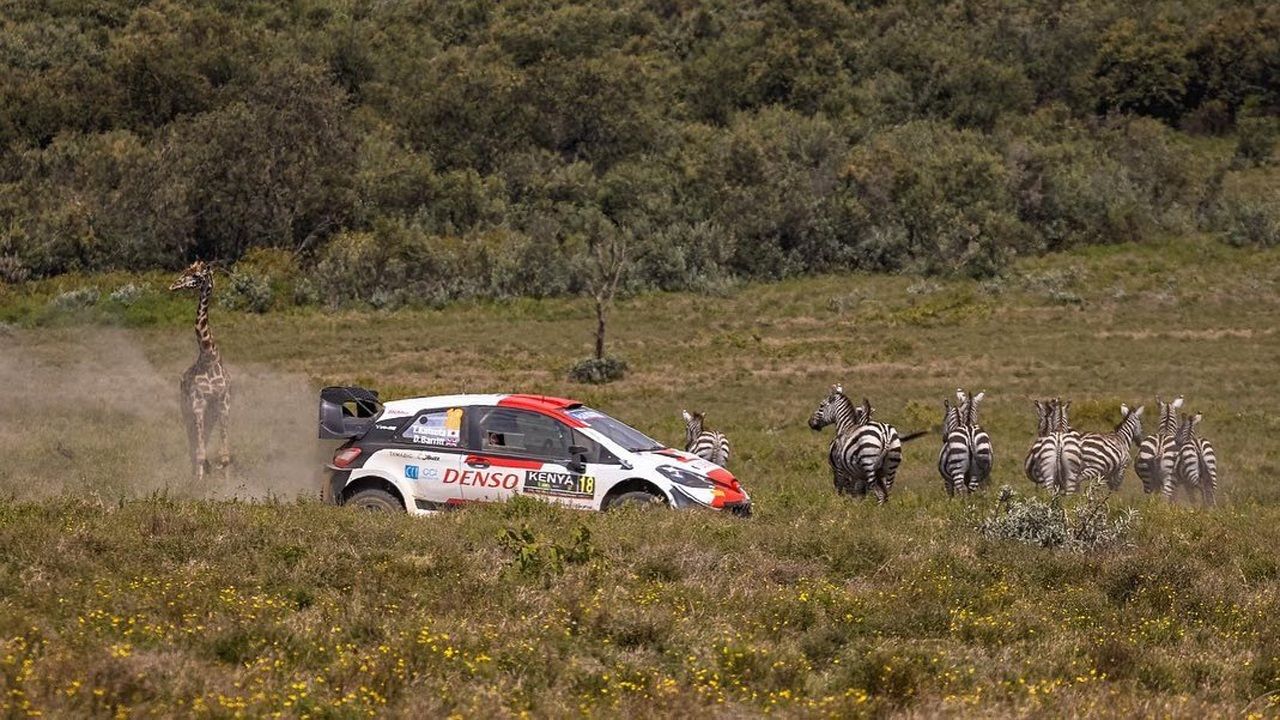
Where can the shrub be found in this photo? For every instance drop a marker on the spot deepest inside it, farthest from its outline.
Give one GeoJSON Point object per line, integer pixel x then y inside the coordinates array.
{"type": "Point", "coordinates": [78, 298]}
{"type": "Point", "coordinates": [1080, 525]}
{"type": "Point", "coordinates": [1250, 222]}
{"type": "Point", "coordinates": [126, 294]}
{"type": "Point", "coordinates": [248, 291]}
{"type": "Point", "coordinates": [12, 270]}
{"type": "Point", "coordinates": [1255, 139]}
{"type": "Point", "coordinates": [936, 199]}
{"type": "Point", "coordinates": [598, 371]}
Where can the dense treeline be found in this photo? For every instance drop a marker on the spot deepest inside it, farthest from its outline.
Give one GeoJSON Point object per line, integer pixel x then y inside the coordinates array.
{"type": "Point", "coordinates": [424, 150]}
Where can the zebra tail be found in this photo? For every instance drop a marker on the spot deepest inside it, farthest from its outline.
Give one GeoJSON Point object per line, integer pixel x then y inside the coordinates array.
{"type": "Point", "coordinates": [1060, 479]}
{"type": "Point", "coordinates": [912, 436]}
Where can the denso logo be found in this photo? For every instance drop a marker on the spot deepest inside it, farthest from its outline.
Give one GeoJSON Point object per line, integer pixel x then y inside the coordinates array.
{"type": "Point", "coordinates": [479, 478]}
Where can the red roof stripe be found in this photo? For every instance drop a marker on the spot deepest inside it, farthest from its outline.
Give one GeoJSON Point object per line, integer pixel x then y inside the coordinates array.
{"type": "Point", "coordinates": [544, 404]}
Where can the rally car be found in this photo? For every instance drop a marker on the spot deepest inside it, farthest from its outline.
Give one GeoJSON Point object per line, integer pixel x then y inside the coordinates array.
{"type": "Point", "coordinates": [426, 454]}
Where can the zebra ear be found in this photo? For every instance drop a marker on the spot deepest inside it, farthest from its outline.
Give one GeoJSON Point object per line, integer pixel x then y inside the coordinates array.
{"type": "Point", "coordinates": [978, 398]}
{"type": "Point", "coordinates": [960, 396]}
{"type": "Point", "coordinates": [1138, 412]}
{"type": "Point", "coordinates": [1177, 402]}
{"type": "Point", "coordinates": [1124, 410]}
{"type": "Point", "coordinates": [685, 414]}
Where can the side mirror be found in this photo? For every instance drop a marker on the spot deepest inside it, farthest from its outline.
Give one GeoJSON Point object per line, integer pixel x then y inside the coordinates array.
{"type": "Point", "coordinates": [578, 454]}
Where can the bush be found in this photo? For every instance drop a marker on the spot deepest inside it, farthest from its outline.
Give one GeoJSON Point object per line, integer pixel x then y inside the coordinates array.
{"type": "Point", "coordinates": [1083, 525]}
{"type": "Point", "coordinates": [12, 270]}
{"type": "Point", "coordinates": [1250, 222]}
{"type": "Point", "coordinates": [247, 291]}
{"type": "Point", "coordinates": [936, 199]}
{"type": "Point", "coordinates": [126, 294]}
{"type": "Point", "coordinates": [74, 299]}
{"type": "Point", "coordinates": [1256, 139]}
{"type": "Point", "coordinates": [598, 371]}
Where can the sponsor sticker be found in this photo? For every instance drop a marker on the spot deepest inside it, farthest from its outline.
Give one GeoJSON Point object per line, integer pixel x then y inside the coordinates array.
{"type": "Point", "coordinates": [549, 482]}
{"type": "Point", "coordinates": [481, 478]}
{"type": "Point", "coordinates": [586, 415]}
{"type": "Point", "coordinates": [411, 472]}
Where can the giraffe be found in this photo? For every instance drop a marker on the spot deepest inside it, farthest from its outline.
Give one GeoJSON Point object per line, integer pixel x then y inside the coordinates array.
{"type": "Point", "coordinates": [206, 398]}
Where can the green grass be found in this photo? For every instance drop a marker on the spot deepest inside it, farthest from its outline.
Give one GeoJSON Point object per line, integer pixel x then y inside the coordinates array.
{"type": "Point", "coordinates": [125, 589]}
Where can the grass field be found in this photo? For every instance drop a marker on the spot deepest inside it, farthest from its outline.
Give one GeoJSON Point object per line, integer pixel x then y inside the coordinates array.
{"type": "Point", "coordinates": [125, 591]}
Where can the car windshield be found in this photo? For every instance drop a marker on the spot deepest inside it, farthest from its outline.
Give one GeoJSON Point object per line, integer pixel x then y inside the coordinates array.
{"type": "Point", "coordinates": [621, 433]}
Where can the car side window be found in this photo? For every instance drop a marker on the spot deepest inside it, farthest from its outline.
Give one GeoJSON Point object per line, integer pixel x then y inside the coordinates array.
{"type": "Point", "coordinates": [441, 428]}
{"type": "Point", "coordinates": [521, 432]}
{"type": "Point", "coordinates": [596, 453]}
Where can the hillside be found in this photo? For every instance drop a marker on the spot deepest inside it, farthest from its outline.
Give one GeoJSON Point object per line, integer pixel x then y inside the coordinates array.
{"type": "Point", "coordinates": [124, 590]}
{"type": "Point", "coordinates": [413, 153]}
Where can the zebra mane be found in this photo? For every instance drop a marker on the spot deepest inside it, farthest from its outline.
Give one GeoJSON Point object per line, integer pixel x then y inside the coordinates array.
{"type": "Point", "coordinates": [950, 417]}
{"type": "Point", "coordinates": [1131, 425]}
{"type": "Point", "coordinates": [1169, 415]}
{"type": "Point", "coordinates": [1187, 430]}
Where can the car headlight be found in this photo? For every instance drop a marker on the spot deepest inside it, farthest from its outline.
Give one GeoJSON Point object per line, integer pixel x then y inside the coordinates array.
{"type": "Point", "coordinates": [683, 477]}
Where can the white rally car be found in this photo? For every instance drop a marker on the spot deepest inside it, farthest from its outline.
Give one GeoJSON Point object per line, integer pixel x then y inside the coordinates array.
{"type": "Point", "coordinates": [426, 454]}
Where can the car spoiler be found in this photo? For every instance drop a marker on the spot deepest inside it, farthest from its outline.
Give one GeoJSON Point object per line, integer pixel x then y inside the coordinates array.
{"type": "Point", "coordinates": [347, 412]}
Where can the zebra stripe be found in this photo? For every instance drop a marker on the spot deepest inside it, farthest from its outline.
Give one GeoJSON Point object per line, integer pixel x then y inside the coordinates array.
{"type": "Point", "coordinates": [1197, 466]}
{"type": "Point", "coordinates": [1054, 459]}
{"type": "Point", "coordinates": [707, 444]}
{"type": "Point", "coordinates": [864, 454]}
{"type": "Point", "coordinates": [1158, 454]}
{"type": "Point", "coordinates": [1106, 455]}
{"type": "Point", "coordinates": [964, 462]}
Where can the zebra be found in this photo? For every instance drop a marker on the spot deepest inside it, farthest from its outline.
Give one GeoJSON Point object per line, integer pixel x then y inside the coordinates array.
{"type": "Point", "coordinates": [1157, 454]}
{"type": "Point", "coordinates": [1054, 458]}
{"type": "Point", "coordinates": [1106, 455]}
{"type": "Point", "coordinates": [1197, 465]}
{"type": "Point", "coordinates": [864, 453]}
{"type": "Point", "coordinates": [965, 458]}
{"type": "Point", "coordinates": [707, 444]}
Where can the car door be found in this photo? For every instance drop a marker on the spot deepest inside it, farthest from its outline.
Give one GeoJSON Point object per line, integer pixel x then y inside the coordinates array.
{"type": "Point", "coordinates": [429, 452]}
{"type": "Point", "coordinates": [515, 451]}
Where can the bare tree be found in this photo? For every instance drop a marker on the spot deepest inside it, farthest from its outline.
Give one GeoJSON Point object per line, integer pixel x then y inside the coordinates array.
{"type": "Point", "coordinates": [607, 266]}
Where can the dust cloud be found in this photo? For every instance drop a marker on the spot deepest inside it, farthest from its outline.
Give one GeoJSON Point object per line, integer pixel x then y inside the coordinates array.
{"type": "Point", "coordinates": [92, 413]}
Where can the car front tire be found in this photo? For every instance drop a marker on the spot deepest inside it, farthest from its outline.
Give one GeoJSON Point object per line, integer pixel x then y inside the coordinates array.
{"type": "Point", "coordinates": [635, 498]}
{"type": "Point", "coordinates": [375, 500]}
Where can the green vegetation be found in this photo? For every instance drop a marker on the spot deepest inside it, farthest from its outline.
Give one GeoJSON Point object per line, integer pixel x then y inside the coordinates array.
{"type": "Point", "coordinates": [411, 153]}
{"type": "Point", "coordinates": [125, 590]}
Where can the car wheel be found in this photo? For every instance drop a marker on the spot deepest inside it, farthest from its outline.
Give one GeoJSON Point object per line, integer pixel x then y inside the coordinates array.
{"type": "Point", "coordinates": [375, 500]}
{"type": "Point", "coordinates": [635, 498]}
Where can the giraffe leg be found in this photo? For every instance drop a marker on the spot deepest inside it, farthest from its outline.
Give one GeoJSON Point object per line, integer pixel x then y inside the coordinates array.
{"type": "Point", "coordinates": [189, 422]}
{"type": "Point", "coordinates": [200, 433]}
{"type": "Point", "coordinates": [224, 457]}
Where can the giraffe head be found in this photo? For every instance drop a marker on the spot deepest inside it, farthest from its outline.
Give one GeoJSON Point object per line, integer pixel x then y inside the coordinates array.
{"type": "Point", "coordinates": [199, 275]}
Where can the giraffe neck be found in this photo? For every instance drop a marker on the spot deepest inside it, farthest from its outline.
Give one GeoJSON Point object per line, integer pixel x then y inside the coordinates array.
{"type": "Point", "coordinates": [204, 336]}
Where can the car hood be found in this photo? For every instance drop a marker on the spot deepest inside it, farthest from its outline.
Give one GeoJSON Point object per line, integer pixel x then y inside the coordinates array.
{"type": "Point", "coordinates": [727, 490]}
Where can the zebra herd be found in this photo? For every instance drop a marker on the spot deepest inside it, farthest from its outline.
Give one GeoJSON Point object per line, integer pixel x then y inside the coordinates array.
{"type": "Point", "coordinates": [865, 453]}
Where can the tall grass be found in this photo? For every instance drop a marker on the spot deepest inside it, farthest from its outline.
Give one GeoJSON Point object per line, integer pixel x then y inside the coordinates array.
{"type": "Point", "coordinates": [125, 590]}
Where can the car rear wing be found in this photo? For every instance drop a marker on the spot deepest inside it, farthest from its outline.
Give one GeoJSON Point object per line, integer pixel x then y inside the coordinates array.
{"type": "Point", "coordinates": [347, 412]}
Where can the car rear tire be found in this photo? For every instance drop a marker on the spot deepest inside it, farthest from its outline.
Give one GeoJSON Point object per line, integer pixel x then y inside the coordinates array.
{"type": "Point", "coordinates": [635, 498]}
{"type": "Point", "coordinates": [375, 500]}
